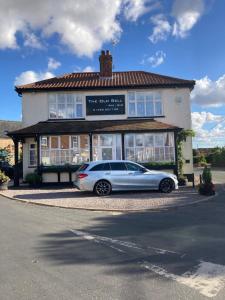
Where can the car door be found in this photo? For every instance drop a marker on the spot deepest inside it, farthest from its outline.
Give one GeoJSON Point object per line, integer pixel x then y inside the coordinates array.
{"type": "Point", "coordinates": [140, 178]}
{"type": "Point", "coordinates": [118, 175]}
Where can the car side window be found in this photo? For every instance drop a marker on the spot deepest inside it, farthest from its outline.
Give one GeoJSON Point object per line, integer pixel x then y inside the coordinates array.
{"type": "Point", "coordinates": [117, 166]}
{"type": "Point", "coordinates": [106, 167]}
{"type": "Point", "coordinates": [98, 167]}
{"type": "Point", "coordinates": [133, 167]}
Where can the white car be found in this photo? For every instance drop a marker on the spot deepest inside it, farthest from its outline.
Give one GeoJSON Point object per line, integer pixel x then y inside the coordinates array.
{"type": "Point", "coordinates": [103, 177]}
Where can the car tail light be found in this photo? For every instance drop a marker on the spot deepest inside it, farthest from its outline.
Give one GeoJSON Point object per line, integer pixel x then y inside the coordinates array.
{"type": "Point", "coordinates": [82, 175]}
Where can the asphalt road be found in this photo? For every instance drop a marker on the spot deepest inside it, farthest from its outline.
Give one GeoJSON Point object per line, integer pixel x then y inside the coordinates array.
{"type": "Point", "coordinates": [52, 253]}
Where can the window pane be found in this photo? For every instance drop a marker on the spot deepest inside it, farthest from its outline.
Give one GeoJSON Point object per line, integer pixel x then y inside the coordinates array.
{"type": "Point", "coordinates": [149, 140]}
{"type": "Point", "coordinates": [118, 166]}
{"type": "Point", "coordinates": [79, 99]}
{"type": "Point", "coordinates": [107, 154]}
{"type": "Point", "coordinates": [106, 140]}
{"type": "Point", "coordinates": [149, 97]}
{"type": "Point", "coordinates": [79, 109]}
{"type": "Point", "coordinates": [64, 142]}
{"type": "Point", "coordinates": [158, 108]}
{"type": "Point", "coordinates": [54, 142]}
{"type": "Point", "coordinates": [129, 140]}
{"type": "Point", "coordinates": [131, 96]}
{"type": "Point", "coordinates": [140, 96]}
{"type": "Point", "coordinates": [52, 107]}
{"type": "Point", "coordinates": [159, 140]}
{"type": "Point", "coordinates": [139, 140]}
{"type": "Point", "coordinates": [140, 108]}
{"type": "Point", "coordinates": [131, 109]}
{"type": "Point", "coordinates": [130, 154]}
{"type": "Point", "coordinates": [149, 108]}
{"type": "Point", "coordinates": [169, 139]}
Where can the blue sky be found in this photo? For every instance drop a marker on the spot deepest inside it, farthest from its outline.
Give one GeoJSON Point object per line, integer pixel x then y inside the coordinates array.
{"type": "Point", "coordinates": [178, 38]}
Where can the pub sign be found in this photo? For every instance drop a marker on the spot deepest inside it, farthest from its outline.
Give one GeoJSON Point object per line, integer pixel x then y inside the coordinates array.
{"type": "Point", "coordinates": [105, 105]}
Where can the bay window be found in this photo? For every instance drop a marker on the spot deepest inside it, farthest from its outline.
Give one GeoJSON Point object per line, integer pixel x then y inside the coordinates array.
{"type": "Point", "coordinates": [64, 149]}
{"type": "Point", "coordinates": [150, 147]}
{"type": "Point", "coordinates": [144, 104]}
{"type": "Point", "coordinates": [65, 106]}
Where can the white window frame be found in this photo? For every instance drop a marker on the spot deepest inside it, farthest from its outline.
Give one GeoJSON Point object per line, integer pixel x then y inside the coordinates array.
{"type": "Point", "coordinates": [135, 101]}
{"type": "Point", "coordinates": [99, 147]}
{"type": "Point", "coordinates": [34, 164]}
{"type": "Point", "coordinates": [77, 99]}
{"type": "Point", "coordinates": [59, 149]}
{"type": "Point", "coordinates": [153, 148]}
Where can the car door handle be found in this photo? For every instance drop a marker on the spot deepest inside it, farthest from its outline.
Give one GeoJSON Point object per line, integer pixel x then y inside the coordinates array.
{"type": "Point", "coordinates": [107, 173]}
{"type": "Point", "coordinates": [130, 173]}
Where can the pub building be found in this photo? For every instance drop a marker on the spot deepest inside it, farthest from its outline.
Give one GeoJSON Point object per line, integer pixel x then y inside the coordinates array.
{"type": "Point", "coordinates": [79, 117]}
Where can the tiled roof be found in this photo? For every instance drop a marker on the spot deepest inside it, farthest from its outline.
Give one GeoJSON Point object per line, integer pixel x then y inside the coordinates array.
{"type": "Point", "coordinates": [81, 126]}
{"type": "Point", "coordinates": [92, 80]}
{"type": "Point", "coordinates": [6, 126]}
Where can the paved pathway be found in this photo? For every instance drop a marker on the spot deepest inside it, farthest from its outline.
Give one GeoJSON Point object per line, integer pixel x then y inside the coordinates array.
{"type": "Point", "coordinates": [122, 201]}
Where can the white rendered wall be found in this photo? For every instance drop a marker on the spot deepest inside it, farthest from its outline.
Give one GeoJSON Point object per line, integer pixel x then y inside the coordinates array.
{"type": "Point", "coordinates": [176, 109]}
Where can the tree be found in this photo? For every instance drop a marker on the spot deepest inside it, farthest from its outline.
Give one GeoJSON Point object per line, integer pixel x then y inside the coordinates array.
{"type": "Point", "coordinates": [5, 154]}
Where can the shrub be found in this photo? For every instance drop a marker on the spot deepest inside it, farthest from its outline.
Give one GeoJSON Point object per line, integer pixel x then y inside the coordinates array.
{"type": "Point", "coordinates": [3, 177]}
{"type": "Point", "coordinates": [33, 179]}
{"type": "Point", "coordinates": [182, 181]}
{"type": "Point", "coordinates": [207, 187]}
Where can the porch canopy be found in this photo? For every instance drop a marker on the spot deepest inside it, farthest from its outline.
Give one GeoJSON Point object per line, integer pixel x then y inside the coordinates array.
{"type": "Point", "coordinates": [60, 127]}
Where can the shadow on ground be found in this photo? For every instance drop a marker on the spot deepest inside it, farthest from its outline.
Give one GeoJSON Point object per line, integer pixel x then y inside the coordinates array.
{"type": "Point", "coordinates": [195, 232]}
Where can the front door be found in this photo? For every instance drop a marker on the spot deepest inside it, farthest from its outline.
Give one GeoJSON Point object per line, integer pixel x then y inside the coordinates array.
{"type": "Point", "coordinates": [107, 147]}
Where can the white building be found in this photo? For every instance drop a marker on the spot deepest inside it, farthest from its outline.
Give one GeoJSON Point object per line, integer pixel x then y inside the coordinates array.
{"type": "Point", "coordinates": [78, 117]}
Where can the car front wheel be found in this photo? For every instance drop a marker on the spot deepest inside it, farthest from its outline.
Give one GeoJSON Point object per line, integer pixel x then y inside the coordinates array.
{"type": "Point", "coordinates": [166, 185]}
{"type": "Point", "coordinates": [102, 188]}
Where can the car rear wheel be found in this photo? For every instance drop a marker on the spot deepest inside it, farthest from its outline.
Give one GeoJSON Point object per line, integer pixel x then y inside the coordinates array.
{"type": "Point", "coordinates": [166, 185]}
{"type": "Point", "coordinates": [102, 188]}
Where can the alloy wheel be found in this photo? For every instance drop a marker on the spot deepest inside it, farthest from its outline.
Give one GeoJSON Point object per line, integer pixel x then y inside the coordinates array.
{"type": "Point", "coordinates": [166, 185]}
{"type": "Point", "coordinates": [103, 188]}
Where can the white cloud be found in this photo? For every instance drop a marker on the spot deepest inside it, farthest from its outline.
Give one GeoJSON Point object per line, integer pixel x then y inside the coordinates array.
{"type": "Point", "coordinates": [155, 60]}
{"type": "Point", "coordinates": [31, 40]}
{"type": "Point", "coordinates": [32, 76]}
{"type": "Point", "coordinates": [161, 30]}
{"type": "Point", "coordinates": [184, 16]}
{"type": "Point", "coordinates": [88, 69]}
{"type": "Point", "coordinates": [208, 92]}
{"type": "Point", "coordinates": [133, 9]}
{"type": "Point", "coordinates": [83, 26]}
{"type": "Point", "coordinates": [53, 64]}
{"type": "Point", "coordinates": [186, 13]}
{"type": "Point", "coordinates": [209, 129]}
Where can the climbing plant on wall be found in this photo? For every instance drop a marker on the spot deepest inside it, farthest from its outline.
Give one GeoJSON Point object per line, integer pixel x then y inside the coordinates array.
{"type": "Point", "coordinates": [181, 138]}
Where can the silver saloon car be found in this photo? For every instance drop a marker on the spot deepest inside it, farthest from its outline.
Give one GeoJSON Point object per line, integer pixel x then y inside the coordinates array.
{"type": "Point", "coordinates": [103, 177]}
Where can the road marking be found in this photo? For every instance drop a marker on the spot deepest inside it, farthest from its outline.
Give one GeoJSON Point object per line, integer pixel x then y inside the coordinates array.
{"type": "Point", "coordinates": [205, 277]}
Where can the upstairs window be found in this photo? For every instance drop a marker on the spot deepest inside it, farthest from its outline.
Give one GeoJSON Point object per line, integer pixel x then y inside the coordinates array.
{"type": "Point", "coordinates": [142, 104]}
{"type": "Point", "coordinates": [65, 106]}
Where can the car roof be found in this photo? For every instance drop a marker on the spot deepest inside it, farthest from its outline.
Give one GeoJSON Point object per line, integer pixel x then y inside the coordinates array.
{"type": "Point", "coordinates": [108, 161]}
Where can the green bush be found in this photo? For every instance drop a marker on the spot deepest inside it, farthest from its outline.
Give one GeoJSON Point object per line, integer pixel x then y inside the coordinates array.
{"type": "Point", "coordinates": [207, 187]}
{"type": "Point", "coordinates": [33, 179]}
{"type": "Point", "coordinates": [3, 177]}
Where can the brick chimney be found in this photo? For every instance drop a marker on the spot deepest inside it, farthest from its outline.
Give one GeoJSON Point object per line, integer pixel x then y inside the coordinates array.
{"type": "Point", "coordinates": [105, 60]}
